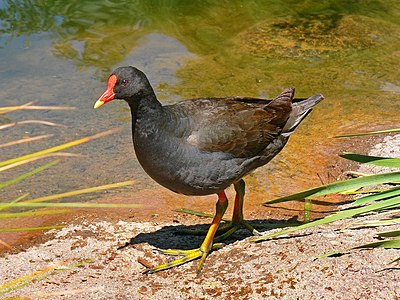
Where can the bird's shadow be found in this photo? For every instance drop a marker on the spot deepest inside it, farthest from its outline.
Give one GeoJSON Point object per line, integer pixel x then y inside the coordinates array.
{"type": "Point", "coordinates": [177, 236]}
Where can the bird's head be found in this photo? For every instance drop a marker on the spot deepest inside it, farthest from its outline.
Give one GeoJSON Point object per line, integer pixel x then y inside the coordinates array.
{"type": "Point", "coordinates": [127, 83]}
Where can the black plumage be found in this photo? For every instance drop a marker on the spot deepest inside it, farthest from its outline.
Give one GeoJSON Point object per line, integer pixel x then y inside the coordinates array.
{"type": "Point", "coordinates": [202, 146]}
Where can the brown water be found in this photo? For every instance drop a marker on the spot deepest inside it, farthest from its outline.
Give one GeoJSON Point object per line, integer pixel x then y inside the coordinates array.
{"type": "Point", "coordinates": [61, 54]}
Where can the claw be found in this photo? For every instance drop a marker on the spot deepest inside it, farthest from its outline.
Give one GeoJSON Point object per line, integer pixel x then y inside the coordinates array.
{"type": "Point", "coordinates": [187, 255]}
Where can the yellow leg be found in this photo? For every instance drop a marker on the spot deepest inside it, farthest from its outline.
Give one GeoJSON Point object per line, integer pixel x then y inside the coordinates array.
{"type": "Point", "coordinates": [237, 217]}
{"type": "Point", "coordinates": [206, 246]}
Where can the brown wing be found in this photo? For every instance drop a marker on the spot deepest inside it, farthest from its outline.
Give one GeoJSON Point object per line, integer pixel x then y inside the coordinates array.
{"type": "Point", "coordinates": [240, 126]}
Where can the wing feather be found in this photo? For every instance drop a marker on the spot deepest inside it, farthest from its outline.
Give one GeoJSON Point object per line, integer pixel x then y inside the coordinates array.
{"type": "Point", "coordinates": [240, 126]}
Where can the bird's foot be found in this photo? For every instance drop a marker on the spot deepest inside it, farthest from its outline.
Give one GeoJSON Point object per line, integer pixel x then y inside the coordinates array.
{"type": "Point", "coordinates": [233, 226]}
{"type": "Point", "coordinates": [186, 256]}
{"type": "Point", "coordinates": [225, 231]}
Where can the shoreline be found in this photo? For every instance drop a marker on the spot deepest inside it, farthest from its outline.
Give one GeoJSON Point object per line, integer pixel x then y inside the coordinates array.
{"type": "Point", "coordinates": [278, 268]}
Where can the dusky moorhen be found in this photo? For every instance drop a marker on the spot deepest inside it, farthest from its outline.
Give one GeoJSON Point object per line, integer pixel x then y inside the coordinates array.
{"type": "Point", "coordinates": [202, 146]}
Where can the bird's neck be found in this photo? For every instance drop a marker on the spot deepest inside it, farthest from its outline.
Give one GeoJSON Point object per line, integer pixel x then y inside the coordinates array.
{"type": "Point", "coordinates": [147, 112]}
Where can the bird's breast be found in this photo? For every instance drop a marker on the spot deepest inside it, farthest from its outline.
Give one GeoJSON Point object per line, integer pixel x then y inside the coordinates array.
{"type": "Point", "coordinates": [183, 168]}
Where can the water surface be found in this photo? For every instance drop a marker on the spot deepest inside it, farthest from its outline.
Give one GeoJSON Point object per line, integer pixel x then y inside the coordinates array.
{"type": "Point", "coordinates": [60, 53]}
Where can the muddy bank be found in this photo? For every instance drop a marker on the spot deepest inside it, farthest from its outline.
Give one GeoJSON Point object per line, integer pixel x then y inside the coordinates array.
{"type": "Point", "coordinates": [99, 259]}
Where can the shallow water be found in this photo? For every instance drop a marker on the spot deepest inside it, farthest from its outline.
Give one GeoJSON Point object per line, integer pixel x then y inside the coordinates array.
{"type": "Point", "coordinates": [61, 54]}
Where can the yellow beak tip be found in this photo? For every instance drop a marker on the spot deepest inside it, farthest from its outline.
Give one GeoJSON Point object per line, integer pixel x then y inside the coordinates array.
{"type": "Point", "coordinates": [98, 103]}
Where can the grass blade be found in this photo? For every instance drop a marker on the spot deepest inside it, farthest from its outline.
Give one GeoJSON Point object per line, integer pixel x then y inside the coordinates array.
{"type": "Point", "coordinates": [307, 210]}
{"type": "Point", "coordinates": [378, 196]}
{"type": "Point", "coordinates": [9, 125]}
{"type": "Point", "coordinates": [80, 192]}
{"type": "Point", "coordinates": [395, 260]}
{"type": "Point", "coordinates": [344, 214]}
{"type": "Point", "coordinates": [16, 200]}
{"type": "Point", "coordinates": [39, 275]}
{"type": "Point", "coordinates": [5, 230]}
{"type": "Point", "coordinates": [22, 162]}
{"type": "Point", "coordinates": [8, 109]}
{"type": "Point", "coordinates": [25, 140]}
{"type": "Point", "coordinates": [373, 160]}
{"type": "Point", "coordinates": [28, 174]}
{"type": "Point", "coordinates": [5, 244]}
{"type": "Point", "coordinates": [394, 233]}
{"type": "Point", "coordinates": [386, 244]}
{"type": "Point", "coordinates": [362, 192]}
{"type": "Point", "coordinates": [70, 205]}
{"type": "Point", "coordinates": [195, 213]}
{"type": "Point", "coordinates": [369, 133]}
{"type": "Point", "coordinates": [57, 148]}
{"type": "Point", "coordinates": [24, 280]}
{"type": "Point", "coordinates": [341, 186]}
{"type": "Point", "coordinates": [33, 213]}
{"type": "Point", "coordinates": [374, 223]}
{"type": "Point", "coordinates": [198, 213]}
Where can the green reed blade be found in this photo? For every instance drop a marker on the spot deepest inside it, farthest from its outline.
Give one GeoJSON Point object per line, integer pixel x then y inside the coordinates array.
{"type": "Point", "coordinates": [341, 186]}
{"type": "Point", "coordinates": [33, 213]}
{"type": "Point", "coordinates": [70, 205]}
{"type": "Point", "coordinates": [28, 174]}
{"type": "Point", "coordinates": [373, 160]}
{"type": "Point", "coordinates": [369, 133]}
{"type": "Point", "coordinates": [3, 230]}
{"type": "Point", "coordinates": [344, 214]}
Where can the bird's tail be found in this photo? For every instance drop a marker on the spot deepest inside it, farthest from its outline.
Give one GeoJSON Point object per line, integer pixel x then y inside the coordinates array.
{"type": "Point", "coordinates": [300, 109]}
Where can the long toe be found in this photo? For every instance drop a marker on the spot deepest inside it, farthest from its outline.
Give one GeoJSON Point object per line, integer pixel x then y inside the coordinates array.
{"type": "Point", "coordinates": [225, 230]}
{"type": "Point", "coordinates": [186, 256]}
{"type": "Point", "coordinates": [232, 227]}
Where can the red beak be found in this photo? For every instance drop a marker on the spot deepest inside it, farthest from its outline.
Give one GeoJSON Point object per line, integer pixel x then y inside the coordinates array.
{"type": "Point", "coordinates": [108, 95]}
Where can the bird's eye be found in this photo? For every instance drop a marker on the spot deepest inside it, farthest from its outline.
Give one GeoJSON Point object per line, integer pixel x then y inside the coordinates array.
{"type": "Point", "coordinates": [124, 82]}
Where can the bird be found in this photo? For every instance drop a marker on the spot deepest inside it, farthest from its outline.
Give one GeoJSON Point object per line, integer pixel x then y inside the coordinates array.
{"type": "Point", "coordinates": [202, 146]}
